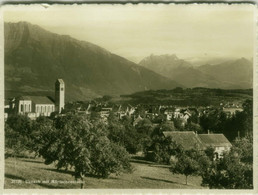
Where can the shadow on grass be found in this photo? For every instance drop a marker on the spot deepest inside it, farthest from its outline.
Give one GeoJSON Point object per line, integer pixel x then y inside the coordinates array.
{"type": "Point", "coordinates": [10, 176]}
{"type": "Point", "coordinates": [155, 179]}
{"type": "Point", "coordinates": [60, 171]}
{"type": "Point", "coordinates": [71, 173]}
{"type": "Point", "coordinates": [161, 166]}
{"type": "Point", "coordinates": [51, 186]}
{"type": "Point", "coordinates": [32, 161]}
{"type": "Point", "coordinates": [141, 160]}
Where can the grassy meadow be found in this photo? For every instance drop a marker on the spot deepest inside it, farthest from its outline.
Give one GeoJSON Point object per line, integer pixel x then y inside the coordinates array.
{"type": "Point", "coordinates": [34, 174]}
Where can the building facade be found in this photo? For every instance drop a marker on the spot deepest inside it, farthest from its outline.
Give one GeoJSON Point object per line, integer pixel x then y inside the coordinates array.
{"type": "Point", "coordinates": [35, 106]}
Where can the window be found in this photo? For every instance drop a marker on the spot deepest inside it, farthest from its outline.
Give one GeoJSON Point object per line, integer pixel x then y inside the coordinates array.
{"type": "Point", "coordinates": [29, 108]}
{"type": "Point", "coordinates": [62, 89]}
{"type": "Point", "coordinates": [21, 107]}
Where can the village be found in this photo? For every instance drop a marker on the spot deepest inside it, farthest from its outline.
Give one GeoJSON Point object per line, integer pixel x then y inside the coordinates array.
{"type": "Point", "coordinates": [166, 135]}
{"type": "Point", "coordinates": [185, 120]}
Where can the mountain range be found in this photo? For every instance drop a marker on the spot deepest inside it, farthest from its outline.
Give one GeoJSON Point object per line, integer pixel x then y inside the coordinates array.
{"type": "Point", "coordinates": [35, 58]}
{"type": "Point", "coordinates": [231, 74]}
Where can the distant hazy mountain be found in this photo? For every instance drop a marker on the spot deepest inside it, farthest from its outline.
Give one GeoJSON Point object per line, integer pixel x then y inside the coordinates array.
{"type": "Point", "coordinates": [34, 58]}
{"type": "Point", "coordinates": [235, 74]}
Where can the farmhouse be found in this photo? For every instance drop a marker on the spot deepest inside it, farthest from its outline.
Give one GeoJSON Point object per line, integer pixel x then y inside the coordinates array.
{"type": "Point", "coordinates": [217, 141]}
{"type": "Point", "coordinates": [189, 140]}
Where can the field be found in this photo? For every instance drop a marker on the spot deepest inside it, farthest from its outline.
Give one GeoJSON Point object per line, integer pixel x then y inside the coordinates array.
{"type": "Point", "coordinates": [33, 173]}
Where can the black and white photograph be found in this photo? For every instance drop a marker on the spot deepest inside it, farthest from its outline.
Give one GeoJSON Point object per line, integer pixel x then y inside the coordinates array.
{"type": "Point", "coordinates": [129, 96]}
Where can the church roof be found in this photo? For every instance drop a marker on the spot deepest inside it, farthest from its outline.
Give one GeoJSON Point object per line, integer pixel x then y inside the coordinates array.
{"type": "Point", "coordinates": [37, 99]}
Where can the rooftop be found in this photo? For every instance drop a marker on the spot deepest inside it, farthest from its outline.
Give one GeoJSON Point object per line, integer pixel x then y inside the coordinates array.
{"type": "Point", "coordinates": [37, 99]}
{"type": "Point", "coordinates": [214, 140]}
{"type": "Point", "coordinates": [187, 139]}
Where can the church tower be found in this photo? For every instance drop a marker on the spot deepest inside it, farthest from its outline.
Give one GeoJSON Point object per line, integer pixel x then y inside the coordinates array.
{"type": "Point", "coordinates": [59, 95]}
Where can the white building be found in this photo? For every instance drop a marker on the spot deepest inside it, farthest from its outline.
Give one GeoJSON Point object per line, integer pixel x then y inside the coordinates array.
{"type": "Point", "coordinates": [35, 106]}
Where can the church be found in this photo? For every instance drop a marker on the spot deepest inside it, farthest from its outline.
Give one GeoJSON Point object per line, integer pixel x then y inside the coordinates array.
{"type": "Point", "coordinates": [35, 106]}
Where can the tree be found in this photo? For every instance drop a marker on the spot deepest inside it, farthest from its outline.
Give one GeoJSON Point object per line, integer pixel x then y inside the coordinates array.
{"type": "Point", "coordinates": [167, 126]}
{"type": "Point", "coordinates": [248, 115]}
{"type": "Point", "coordinates": [144, 126]}
{"type": "Point", "coordinates": [191, 162]}
{"type": "Point", "coordinates": [144, 129]}
{"type": "Point", "coordinates": [74, 142]}
{"type": "Point", "coordinates": [179, 123]}
{"type": "Point", "coordinates": [20, 123]}
{"type": "Point", "coordinates": [210, 151]}
{"type": "Point", "coordinates": [163, 148]}
{"type": "Point", "coordinates": [131, 136]}
{"type": "Point", "coordinates": [116, 132]}
{"type": "Point", "coordinates": [106, 98]}
{"type": "Point", "coordinates": [185, 165]}
{"type": "Point", "coordinates": [14, 142]}
{"type": "Point", "coordinates": [190, 126]}
{"type": "Point", "coordinates": [18, 129]}
{"type": "Point", "coordinates": [234, 170]}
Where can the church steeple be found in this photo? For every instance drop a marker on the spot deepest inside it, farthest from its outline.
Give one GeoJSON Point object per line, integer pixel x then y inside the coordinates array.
{"type": "Point", "coordinates": [59, 95]}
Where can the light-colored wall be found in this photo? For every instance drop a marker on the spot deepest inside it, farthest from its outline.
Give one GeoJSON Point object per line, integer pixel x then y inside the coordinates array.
{"type": "Point", "coordinates": [44, 109]}
{"type": "Point", "coordinates": [24, 106]}
{"type": "Point", "coordinates": [221, 150]}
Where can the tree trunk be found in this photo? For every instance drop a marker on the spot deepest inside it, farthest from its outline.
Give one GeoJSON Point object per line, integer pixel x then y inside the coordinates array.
{"type": "Point", "coordinates": [186, 180]}
{"type": "Point", "coordinates": [81, 180]}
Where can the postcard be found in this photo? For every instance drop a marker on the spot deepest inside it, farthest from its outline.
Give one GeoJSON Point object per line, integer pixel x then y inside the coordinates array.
{"type": "Point", "coordinates": [143, 96]}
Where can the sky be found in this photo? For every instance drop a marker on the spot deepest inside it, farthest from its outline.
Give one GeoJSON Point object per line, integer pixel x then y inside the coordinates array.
{"type": "Point", "coordinates": [137, 31]}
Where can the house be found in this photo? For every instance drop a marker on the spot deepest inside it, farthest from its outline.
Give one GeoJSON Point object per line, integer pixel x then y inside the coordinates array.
{"type": "Point", "coordinates": [217, 141]}
{"type": "Point", "coordinates": [189, 140]}
{"type": "Point", "coordinates": [123, 110]}
{"type": "Point", "coordinates": [169, 113]}
{"type": "Point", "coordinates": [137, 120]}
{"type": "Point", "coordinates": [35, 106]}
{"type": "Point", "coordinates": [105, 111]}
{"type": "Point", "coordinates": [231, 111]}
{"type": "Point", "coordinates": [177, 113]}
